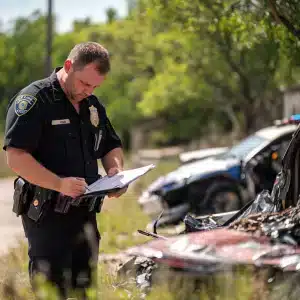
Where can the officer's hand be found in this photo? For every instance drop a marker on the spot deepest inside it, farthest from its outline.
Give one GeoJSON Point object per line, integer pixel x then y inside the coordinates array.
{"type": "Point", "coordinates": [118, 193]}
{"type": "Point", "coordinates": [112, 172]}
{"type": "Point", "coordinates": [72, 186]}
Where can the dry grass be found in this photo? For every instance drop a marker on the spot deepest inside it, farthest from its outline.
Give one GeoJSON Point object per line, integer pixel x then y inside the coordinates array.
{"type": "Point", "coordinates": [118, 222]}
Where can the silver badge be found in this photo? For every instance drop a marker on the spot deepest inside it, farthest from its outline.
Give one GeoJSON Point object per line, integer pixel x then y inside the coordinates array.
{"type": "Point", "coordinates": [94, 117]}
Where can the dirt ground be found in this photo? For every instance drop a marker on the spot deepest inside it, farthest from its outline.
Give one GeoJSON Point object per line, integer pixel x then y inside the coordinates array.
{"type": "Point", "coordinates": [10, 224]}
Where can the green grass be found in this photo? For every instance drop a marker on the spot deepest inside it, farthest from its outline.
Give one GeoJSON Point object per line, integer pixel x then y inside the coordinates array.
{"type": "Point", "coordinates": [240, 285]}
{"type": "Point", "coordinates": [118, 223]}
{"type": "Point", "coordinates": [120, 218]}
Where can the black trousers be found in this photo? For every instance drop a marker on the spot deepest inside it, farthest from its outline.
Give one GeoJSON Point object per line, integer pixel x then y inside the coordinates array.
{"type": "Point", "coordinates": [64, 248]}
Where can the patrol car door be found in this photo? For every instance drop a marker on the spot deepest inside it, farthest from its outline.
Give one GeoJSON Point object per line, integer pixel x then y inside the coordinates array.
{"type": "Point", "coordinates": [266, 164]}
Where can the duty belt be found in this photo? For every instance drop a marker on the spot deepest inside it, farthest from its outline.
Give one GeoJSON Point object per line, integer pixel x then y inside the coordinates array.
{"type": "Point", "coordinates": [63, 203]}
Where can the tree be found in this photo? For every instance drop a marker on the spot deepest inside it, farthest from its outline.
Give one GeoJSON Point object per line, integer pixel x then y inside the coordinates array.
{"type": "Point", "coordinates": [178, 67]}
{"type": "Point", "coordinates": [287, 12]}
{"type": "Point", "coordinates": [131, 4]}
{"type": "Point", "coordinates": [80, 24]}
{"type": "Point", "coordinates": [111, 15]}
{"type": "Point", "coordinates": [237, 59]}
{"type": "Point", "coordinates": [22, 56]}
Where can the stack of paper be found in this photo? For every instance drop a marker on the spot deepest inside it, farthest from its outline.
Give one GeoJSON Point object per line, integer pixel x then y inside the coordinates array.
{"type": "Point", "coordinates": [118, 181]}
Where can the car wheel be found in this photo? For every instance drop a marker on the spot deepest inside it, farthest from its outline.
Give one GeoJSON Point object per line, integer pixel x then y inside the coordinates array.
{"type": "Point", "coordinates": [225, 198]}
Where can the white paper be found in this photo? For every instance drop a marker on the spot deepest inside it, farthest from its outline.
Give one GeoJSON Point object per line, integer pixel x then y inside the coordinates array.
{"type": "Point", "coordinates": [119, 180]}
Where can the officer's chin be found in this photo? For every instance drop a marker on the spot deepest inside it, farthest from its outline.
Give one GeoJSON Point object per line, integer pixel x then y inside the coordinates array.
{"type": "Point", "coordinates": [78, 98]}
{"type": "Point", "coordinates": [81, 97]}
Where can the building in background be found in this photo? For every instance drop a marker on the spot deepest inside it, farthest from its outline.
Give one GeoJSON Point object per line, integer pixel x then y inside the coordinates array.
{"type": "Point", "coordinates": [291, 101]}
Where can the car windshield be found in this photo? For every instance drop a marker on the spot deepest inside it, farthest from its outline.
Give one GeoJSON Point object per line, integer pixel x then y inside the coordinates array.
{"type": "Point", "coordinates": [242, 149]}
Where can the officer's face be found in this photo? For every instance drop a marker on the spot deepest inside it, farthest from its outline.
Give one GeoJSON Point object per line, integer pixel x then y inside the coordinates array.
{"type": "Point", "coordinates": [81, 83]}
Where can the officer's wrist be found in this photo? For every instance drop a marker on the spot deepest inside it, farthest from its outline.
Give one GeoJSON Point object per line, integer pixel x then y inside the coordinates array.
{"type": "Point", "coordinates": [57, 184]}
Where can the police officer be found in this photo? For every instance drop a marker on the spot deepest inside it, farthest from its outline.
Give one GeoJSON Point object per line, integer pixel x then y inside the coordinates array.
{"type": "Point", "coordinates": [56, 129]}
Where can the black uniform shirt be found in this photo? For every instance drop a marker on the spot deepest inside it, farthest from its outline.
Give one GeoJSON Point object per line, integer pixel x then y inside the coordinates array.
{"type": "Point", "coordinates": [42, 121]}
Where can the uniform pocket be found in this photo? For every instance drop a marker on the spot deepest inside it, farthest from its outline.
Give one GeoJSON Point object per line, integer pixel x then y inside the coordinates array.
{"type": "Point", "coordinates": [67, 139]}
{"type": "Point", "coordinates": [72, 145]}
{"type": "Point", "coordinates": [62, 131]}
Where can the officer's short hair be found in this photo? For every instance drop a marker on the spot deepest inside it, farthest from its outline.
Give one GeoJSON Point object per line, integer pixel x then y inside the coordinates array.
{"type": "Point", "coordinates": [90, 52]}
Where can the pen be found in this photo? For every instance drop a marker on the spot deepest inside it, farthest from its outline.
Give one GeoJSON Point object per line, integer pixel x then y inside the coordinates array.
{"type": "Point", "coordinates": [86, 186]}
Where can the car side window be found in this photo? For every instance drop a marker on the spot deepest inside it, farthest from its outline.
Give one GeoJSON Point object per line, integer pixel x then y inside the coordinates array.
{"type": "Point", "coordinates": [278, 150]}
{"type": "Point", "coordinates": [283, 147]}
{"type": "Point", "coordinates": [267, 163]}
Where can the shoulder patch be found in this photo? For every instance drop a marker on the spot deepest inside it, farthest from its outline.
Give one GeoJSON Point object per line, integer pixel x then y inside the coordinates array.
{"type": "Point", "coordinates": [24, 104]}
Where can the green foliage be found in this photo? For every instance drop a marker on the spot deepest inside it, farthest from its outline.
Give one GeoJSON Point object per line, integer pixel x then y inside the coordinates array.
{"type": "Point", "coordinates": [22, 56]}
{"type": "Point", "coordinates": [189, 63]}
{"type": "Point", "coordinates": [237, 55]}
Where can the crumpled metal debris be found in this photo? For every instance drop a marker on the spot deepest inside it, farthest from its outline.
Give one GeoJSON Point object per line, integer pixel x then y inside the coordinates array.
{"type": "Point", "coordinates": [279, 227]}
{"type": "Point", "coordinates": [283, 227]}
{"type": "Point", "coordinates": [140, 270]}
{"type": "Point", "coordinates": [144, 271]}
{"type": "Point", "coordinates": [263, 203]}
{"type": "Point", "coordinates": [192, 224]}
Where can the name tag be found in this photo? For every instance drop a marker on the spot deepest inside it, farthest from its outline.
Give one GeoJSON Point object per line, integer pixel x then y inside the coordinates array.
{"type": "Point", "coordinates": [60, 122]}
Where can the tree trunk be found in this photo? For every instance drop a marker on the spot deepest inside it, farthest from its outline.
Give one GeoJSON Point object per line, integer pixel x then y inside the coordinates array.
{"type": "Point", "coordinates": [139, 136]}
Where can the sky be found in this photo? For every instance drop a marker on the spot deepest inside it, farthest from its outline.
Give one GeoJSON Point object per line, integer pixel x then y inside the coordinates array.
{"type": "Point", "coordinates": [65, 10]}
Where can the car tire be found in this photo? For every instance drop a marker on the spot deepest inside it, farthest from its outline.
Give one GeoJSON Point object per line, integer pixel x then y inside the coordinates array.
{"type": "Point", "coordinates": [223, 197]}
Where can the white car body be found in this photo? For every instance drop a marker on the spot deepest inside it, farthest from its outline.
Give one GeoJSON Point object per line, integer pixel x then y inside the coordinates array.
{"type": "Point", "coordinates": [189, 156]}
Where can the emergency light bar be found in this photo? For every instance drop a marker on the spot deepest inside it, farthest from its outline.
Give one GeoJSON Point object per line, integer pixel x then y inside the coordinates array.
{"type": "Point", "coordinates": [294, 119]}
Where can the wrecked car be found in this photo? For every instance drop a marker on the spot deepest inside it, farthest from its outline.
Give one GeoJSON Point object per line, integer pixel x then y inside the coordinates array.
{"type": "Point", "coordinates": [218, 250]}
{"type": "Point", "coordinates": [264, 234]}
{"type": "Point", "coordinates": [224, 182]}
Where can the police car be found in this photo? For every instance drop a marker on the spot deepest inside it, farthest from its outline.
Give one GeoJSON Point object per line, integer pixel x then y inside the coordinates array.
{"type": "Point", "coordinates": [191, 156]}
{"type": "Point", "coordinates": [224, 182]}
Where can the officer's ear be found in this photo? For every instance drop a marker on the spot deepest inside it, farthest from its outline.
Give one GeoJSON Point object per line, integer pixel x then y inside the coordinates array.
{"type": "Point", "coordinates": [68, 65]}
